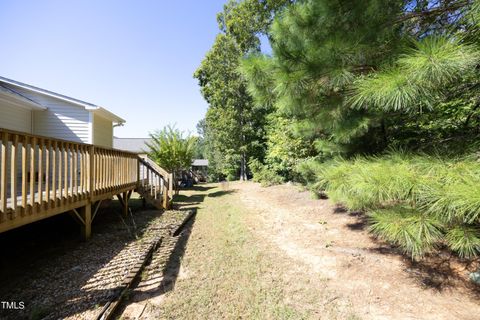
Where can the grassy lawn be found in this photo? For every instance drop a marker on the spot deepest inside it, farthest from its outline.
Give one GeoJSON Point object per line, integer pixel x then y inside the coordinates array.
{"type": "Point", "coordinates": [226, 273]}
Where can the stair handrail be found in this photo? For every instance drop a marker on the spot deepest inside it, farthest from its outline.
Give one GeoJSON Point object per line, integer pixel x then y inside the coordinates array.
{"type": "Point", "coordinates": [154, 166]}
{"type": "Point", "coordinates": [164, 174]}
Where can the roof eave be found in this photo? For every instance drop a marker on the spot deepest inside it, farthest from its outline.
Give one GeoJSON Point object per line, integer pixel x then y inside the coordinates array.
{"type": "Point", "coordinates": [106, 114]}
{"type": "Point", "coordinates": [23, 101]}
{"type": "Point", "coordinates": [46, 92]}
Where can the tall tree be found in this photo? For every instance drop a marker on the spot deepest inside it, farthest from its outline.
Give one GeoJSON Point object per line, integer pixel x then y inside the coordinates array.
{"type": "Point", "coordinates": [246, 20]}
{"type": "Point", "coordinates": [349, 72]}
{"type": "Point", "coordinates": [229, 104]}
{"type": "Point", "coordinates": [234, 127]}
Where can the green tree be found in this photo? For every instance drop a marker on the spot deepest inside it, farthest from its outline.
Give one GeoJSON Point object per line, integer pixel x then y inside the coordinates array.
{"type": "Point", "coordinates": [234, 128]}
{"type": "Point", "coordinates": [246, 20]}
{"type": "Point", "coordinates": [224, 90]}
{"type": "Point", "coordinates": [359, 78]}
{"type": "Point", "coordinates": [285, 149]}
{"type": "Point", "coordinates": [348, 73]}
{"type": "Point", "coordinates": [173, 151]}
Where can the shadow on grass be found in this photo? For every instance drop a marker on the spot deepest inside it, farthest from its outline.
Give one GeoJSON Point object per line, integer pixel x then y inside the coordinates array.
{"type": "Point", "coordinates": [169, 274]}
{"type": "Point", "coordinates": [361, 219]}
{"type": "Point", "coordinates": [195, 198]}
{"type": "Point", "coordinates": [438, 271]}
{"type": "Point", "coordinates": [340, 209]}
{"type": "Point", "coordinates": [220, 193]}
{"type": "Point", "coordinates": [360, 224]}
{"type": "Point", "coordinates": [199, 188]}
{"type": "Point", "coordinates": [172, 268]}
{"type": "Point", "coordinates": [192, 199]}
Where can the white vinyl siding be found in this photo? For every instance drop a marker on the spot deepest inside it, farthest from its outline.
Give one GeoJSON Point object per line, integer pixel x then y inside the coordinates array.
{"type": "Point", "coordinates": [15, 118]}
{"type": "Point", "coordinates": [61, 120]}
{"type": "Point", "coordinates": [102, 131]}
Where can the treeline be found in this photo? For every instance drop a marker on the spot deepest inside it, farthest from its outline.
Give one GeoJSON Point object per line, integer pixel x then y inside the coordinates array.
{"type": "Point", "coordinates": [374, 103]}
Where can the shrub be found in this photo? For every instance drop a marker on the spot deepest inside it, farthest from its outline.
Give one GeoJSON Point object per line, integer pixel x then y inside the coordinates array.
{"type": "Point", "coordinates": [263, 174]}
{"type": "Point", "coordinates": [454, 192]}
{"type": "Point", "coordinates": [309, 173]}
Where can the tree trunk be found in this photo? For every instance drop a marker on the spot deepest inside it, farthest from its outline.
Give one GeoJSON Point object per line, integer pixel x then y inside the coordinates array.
{"type": "Point", "coordinates": [176, 187]}
{"type": "Point", "coordinates": [243, 168]}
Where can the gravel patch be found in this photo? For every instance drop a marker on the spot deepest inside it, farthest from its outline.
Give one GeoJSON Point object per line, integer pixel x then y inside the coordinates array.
{"type": "Point", "coordinates": [70, 279]}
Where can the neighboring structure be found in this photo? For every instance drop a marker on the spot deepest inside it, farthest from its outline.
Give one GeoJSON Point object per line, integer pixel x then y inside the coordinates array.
{"type": "Point", "coordinates": [200, 169]}
{"type": "Point", "coordinates": [199, 164]}
{"type": "Point", "coordinates": [135, 145]}
{"type": "Point", "coordinates": [41, 112]}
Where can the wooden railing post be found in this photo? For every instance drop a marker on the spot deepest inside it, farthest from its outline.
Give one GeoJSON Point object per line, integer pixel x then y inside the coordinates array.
{"type": "Point", "coordinates": [86, 211]}
{"type": "Point", "coordinates": [13, 174]}
{"type": "Point", "coordinates": [91, 171]}
{"type": "Point", "coordinates": [165, 194]}
{"type": "Point", "coordinates": [138, 172]}
{"type": "Point", "coordinates": [3, 176]}
{"type": "Point", "coordinates": [170, 187]}
{"type": "Point", "coordinates": [33, 143]}
{"type": "Point", "coordinates": [24, 175]}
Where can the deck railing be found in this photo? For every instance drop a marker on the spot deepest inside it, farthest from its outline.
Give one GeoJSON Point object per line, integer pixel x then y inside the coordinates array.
{"type": "Point", "coordinates": [114, 171]}
{"type": "Point", "coordinates": [42, 176]}
{"type": "Point", "coordinates": [155, 182]}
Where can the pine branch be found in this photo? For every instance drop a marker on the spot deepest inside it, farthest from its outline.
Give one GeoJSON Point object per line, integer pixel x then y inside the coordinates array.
{"type": "Point", "coordinates": [433, 12]}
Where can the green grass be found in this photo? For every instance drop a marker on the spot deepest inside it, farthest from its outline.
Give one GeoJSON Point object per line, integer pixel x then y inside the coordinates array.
{"type": "Point", "coordinates": [228, 275]}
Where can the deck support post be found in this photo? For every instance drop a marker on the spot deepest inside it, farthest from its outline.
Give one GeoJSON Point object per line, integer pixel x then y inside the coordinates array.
{"type": "Point", "coordinates": [86, 213]}
{"type": "Point", "coordinates": [123, 198]}
{"type": "Point", "coordinates": [125, 205]}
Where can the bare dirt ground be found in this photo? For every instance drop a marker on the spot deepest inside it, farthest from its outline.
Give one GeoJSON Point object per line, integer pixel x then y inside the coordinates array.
{"type": "Point", "coordinates": [277, 253]}
{"type": "Point", "coordinates": [330, 250]}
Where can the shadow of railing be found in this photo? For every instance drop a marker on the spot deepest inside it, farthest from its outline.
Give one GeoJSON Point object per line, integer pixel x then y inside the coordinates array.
{"type": "Point", "coordinates": [55, 274]}
{"type": "Point", "coordinates": [165, 279]}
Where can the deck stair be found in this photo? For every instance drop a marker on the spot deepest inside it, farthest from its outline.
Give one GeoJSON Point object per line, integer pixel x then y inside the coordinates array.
{"type": "Point", "coordinates": [155, 184]}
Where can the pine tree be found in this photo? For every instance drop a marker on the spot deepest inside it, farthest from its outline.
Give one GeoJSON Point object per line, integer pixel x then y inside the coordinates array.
{"type": "Point", "coordinates": [348, 72]}
{"type": "Point", "coordinates": [362, 77]}
{"type": "Point", "coordinates": [319, 48]}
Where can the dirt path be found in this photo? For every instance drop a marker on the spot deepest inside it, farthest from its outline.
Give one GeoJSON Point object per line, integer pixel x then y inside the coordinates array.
{"type": "Point", "coordinates": [276, 253]}
{"type": "Point", "coordinates": [329, 246]}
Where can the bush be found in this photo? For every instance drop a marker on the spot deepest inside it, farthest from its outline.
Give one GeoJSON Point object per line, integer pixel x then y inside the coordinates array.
{"type": "Point", "coordinates": [309, 173]}
{"type": "Point", "coordinates": [263, 174]}
{"type": "Point", "coordinates": [414, 201]}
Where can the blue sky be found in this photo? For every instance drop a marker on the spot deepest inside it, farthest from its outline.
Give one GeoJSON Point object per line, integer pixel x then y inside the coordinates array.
{"type": "Point", "coordinates": [135, 58]}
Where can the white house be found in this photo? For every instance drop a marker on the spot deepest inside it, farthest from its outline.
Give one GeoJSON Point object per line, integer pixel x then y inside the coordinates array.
{"type": "Point", "coordinates": [38, 111]}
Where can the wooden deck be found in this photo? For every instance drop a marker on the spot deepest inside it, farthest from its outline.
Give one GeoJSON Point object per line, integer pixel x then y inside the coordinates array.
{"type": "Point", "coordinates": [50, 176]}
